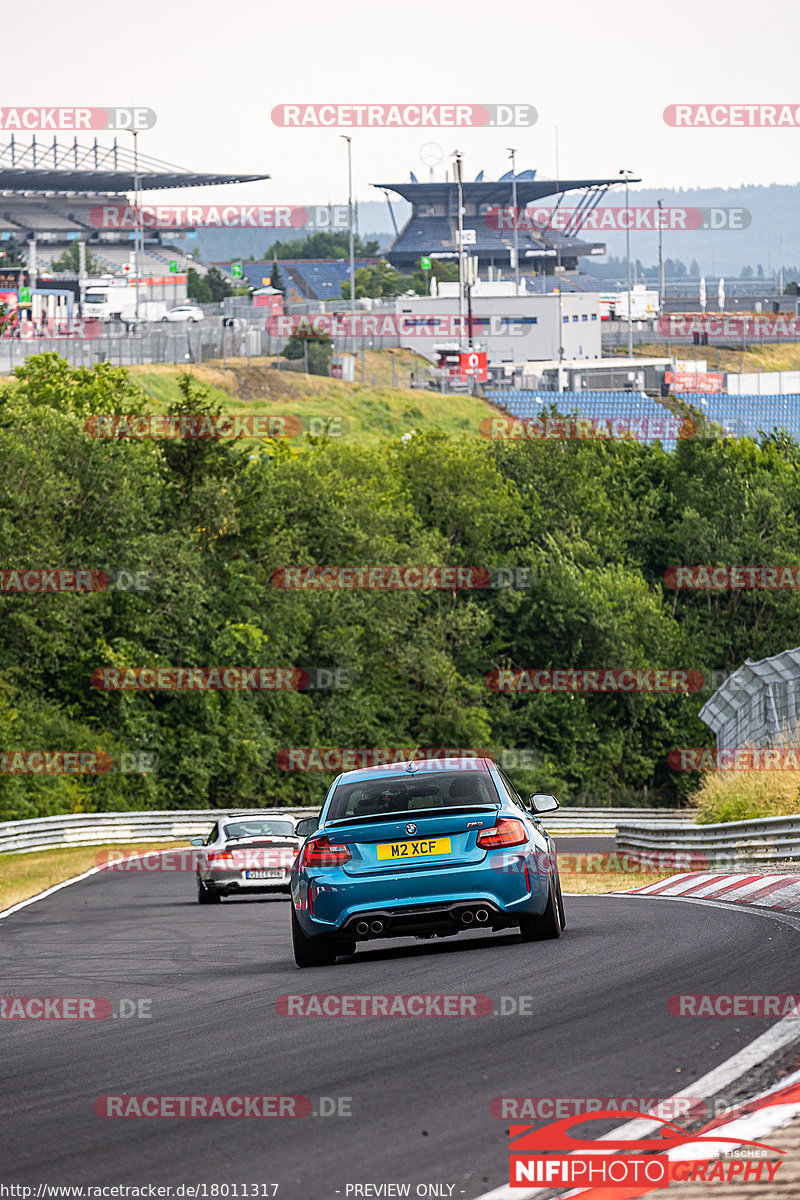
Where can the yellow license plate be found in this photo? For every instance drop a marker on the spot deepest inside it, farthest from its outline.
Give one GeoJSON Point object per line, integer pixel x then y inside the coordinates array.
{"type": "Point", "coordinates": [425, 846]}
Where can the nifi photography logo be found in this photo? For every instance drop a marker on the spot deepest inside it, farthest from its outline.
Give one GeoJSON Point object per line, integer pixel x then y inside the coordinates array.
{"type": "Point", "coordinates": [552, 1157]}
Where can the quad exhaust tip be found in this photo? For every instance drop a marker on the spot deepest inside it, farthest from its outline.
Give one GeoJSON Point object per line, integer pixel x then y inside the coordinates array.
{"type": "Point", "coordinates": [362, 928]}
{"type": "Point", "coordinates": [466, 917]}
{"type": "Point", "coordinates": [377, 926]}
{"type": "Point", "coordinates": [481, 916]}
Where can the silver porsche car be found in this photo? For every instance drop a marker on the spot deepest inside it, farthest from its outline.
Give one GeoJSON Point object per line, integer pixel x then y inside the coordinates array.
{"type": "Point", "coordinates": [245, 855]}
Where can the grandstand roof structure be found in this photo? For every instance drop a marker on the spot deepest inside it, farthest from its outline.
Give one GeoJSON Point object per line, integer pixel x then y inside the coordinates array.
{"type": "Point", "coordinates": [492, 192]}
{"type": "Point", "coordinates": [59, 167]}
{"type": "Point", "coordinates": [432, 227]}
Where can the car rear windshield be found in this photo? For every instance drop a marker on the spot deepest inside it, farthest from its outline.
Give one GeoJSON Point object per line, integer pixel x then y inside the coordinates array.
{"type": "Point", "coordinates": [378, 797]}
{"type": "Point", "coordinates": [239, 829]}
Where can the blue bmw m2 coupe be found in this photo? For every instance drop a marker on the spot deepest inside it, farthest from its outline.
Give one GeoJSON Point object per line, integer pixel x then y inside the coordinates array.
{"type": "Point", "coordinates": [423, 849]}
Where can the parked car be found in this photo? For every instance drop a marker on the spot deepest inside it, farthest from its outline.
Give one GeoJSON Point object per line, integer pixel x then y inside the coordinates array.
{"type": "Point", "coordinates": [423, 849]}
{"type": "Point", "coordinates": [184, 312]}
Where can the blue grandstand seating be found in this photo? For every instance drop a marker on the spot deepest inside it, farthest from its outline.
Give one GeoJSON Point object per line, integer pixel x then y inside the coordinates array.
{"type": "Point", "coordinates": [739, 416]}
{"type": "Point", "coordinates": [748, 416]}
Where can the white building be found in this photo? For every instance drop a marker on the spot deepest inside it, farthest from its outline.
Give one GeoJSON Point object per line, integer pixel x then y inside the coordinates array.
{"type": "Point", "coordinates": [513, 329]}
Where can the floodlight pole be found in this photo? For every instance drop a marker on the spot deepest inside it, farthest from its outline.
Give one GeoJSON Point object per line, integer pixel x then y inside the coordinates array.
{"type": "Point", "coordinates": [627, 175]}
{"type": "Point", "coordinates": [136, 215]}
{"type": "Point", "coordinates": [660, 258]}
{"type": "Point", "coordinates": [512, 155]}
{"type": "Point", "coordinates": [350, 217]}
{"type": "Point", "coordinates": [457, 169]}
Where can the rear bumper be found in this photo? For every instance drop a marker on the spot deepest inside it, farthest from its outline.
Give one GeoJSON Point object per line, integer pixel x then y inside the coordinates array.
{"type": "Point", "coordinates": [410, 904]}
{"type": "Point", "coordinates": [443, 920]}
{"type": "Point", "coordinates": [233, 883]}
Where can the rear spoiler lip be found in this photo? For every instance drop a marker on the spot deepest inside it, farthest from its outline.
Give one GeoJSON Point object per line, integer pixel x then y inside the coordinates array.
{"type": "Point", "coordinates": [417, 814]}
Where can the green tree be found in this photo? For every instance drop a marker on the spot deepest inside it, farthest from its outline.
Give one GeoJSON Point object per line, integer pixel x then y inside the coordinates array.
{"type": "Point", "coordinates": [419, 281]}
{"type": "Point", "coordinates": [218, 285]}
{"type": "Point", "coordinates": [374, 282]}
{"type": "Point", "coordinates": [198, 288]}
{"type": "Point", "coordinates": [319, 350]}
{"type": "Point", "coordinates": [69, 261]}
{"type": "Point", "coordinates": [13, 253]}
{"type": "Point", "coordinates": [323, 245]}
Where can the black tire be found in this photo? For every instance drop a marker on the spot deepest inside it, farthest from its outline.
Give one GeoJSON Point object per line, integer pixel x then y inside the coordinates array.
{"type": "Point", "coordinates": [545, 927]}
{"type": "Point", "coordinates": [560, 899]}
{"type": "Point", "coordinates": [204, 896]}
{"type": "Point", "coordinates": [311, 952]}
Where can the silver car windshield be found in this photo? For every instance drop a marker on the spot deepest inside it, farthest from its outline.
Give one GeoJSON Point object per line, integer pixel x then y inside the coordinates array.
{"type": "Point", "coordinates": [244, 829]}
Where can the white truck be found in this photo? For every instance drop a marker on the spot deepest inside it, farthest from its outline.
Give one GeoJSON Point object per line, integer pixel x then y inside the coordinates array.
{"type": "Point", "coordinates": [114, 299]}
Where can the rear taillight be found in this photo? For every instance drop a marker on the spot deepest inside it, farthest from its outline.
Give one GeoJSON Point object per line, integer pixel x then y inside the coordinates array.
{"type": "Point", "coordinates": [220, 858]}
{"type": "Point", "coordinates": [318, 852]}
{"type": "Point", "coordinates": [507, 832]}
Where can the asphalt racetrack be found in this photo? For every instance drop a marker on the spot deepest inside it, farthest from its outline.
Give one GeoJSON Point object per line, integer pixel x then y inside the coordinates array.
{"type": "Point", "coordinates": [418, 1089]}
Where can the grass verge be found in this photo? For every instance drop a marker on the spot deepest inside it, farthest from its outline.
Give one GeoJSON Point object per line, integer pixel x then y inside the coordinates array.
{"type": "Point", "coordinates": [784, 357]}
{"type": "Point", "coordinates": [747, 795]}
{"type": "Point", "coordinates": [590, 884]}
{"type": "Point", "coordinates": [366, 412]}
{"type": "Point", "coordinates": [25, 875]}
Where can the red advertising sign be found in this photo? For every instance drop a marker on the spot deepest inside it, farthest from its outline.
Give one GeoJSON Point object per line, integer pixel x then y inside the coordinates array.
{"type": "Point", "coordinates": [690, 381]}
{"type": "Point", "coordinates": [473, 364]}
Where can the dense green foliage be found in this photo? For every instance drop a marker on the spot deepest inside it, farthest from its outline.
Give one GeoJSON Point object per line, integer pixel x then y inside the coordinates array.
{"type": "Point", "coordinates": [209, 522]}
{"type": "Point", "coordinates": [323, 245]}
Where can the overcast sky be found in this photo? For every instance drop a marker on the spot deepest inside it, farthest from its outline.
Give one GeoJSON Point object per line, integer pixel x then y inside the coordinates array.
{"type": "Point", "coordinates": [601, 71]}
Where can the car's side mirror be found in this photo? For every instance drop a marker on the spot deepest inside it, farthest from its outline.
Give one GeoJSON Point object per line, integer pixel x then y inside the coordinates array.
{"type": "Point", "coordinates": [196, 842]}
{"type": "Point", "coordinates": [543, 802]}
{"type": "Point", "coordinates": [306, 826]}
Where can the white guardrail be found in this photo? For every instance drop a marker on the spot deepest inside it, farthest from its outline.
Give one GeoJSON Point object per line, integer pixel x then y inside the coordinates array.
{"type": "Point", "coordinates": [769, 839]}
{"type": "Point", "coordinates": [92, 829]}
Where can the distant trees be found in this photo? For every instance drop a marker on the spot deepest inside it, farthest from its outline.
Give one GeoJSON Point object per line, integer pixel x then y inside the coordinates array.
{"type": "Point", "coordinates": [13, 253]}
{"type": "Point", "coordinates": [323, 245]}
{"type": "Point", "coordinates": [197, 288]}
{"type": "Point", "coordinates": [70, 261]}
